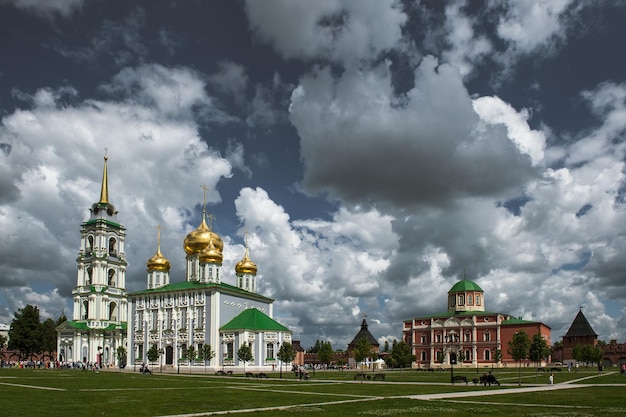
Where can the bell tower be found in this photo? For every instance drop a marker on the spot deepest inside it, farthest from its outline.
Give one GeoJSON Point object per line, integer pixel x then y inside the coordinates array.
{"type": "Point", "coordinates": [100, 292]}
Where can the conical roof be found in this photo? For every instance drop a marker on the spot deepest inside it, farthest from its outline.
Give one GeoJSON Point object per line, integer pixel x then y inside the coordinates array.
{"type": "Point", "coordinates": [580, 326]}
{"type": "Point", "coordinates": [364, 333]}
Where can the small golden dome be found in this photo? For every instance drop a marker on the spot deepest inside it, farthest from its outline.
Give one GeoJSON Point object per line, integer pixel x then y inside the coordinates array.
{"type": "Point", "coordinates": [199, 239]}
{"type": "Point", "coordinates": [245, 266]}
{"type": "Point", "coordinates": [158, 262]}
{"type": "Point", "coordinates": [211, 255]}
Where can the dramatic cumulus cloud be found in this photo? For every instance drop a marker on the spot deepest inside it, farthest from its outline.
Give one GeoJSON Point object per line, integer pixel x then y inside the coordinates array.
{"type": "Point", "coordinates": [48, 8]}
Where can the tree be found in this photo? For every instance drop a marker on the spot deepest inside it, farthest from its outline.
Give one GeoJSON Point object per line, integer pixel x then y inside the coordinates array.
{"type": "Point", "coordinates": [401, 355]}
{"type": "Point", "coordinates": [25, 332]}
{"type": "Point", "coordinates": [153, 354]}
{"type": "Point", "coordinates": [518, 349]}
{"type": "Point", "coordinates": [315, 348]}
{"type": "Point", "coordinates": [245, 354]}
{"type": "Point", "coordinates": [121, 356]}
{"type": "Point", "coordinates": [539, 349]}
{"type": "Point", "coordinates": [3, 340]}
{"type": "Point", "coordinates": [286, 354]}
{"type": "Point", "coordinates": [48, 336]}
{"type": "Point", "coordinates": [362, 350]}
{"type": "Point", "coordinates": [325, 353]}
{"type": "Point", "coordinates": [206, 354]}
{"type": "Point", "coordinates": [191, 354]}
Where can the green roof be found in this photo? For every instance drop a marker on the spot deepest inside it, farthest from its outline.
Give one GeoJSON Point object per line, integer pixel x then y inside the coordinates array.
{"type": "Point", "coordinates": [465, 285]}
{"type": "Point", "coordinates": [254, 319]}
{"type": "Point", "coordinates": [82, 325]}
{"type": "Point", "coordinates": [515, 320]}
{"type": "Point", "coordinates": [196, 285]}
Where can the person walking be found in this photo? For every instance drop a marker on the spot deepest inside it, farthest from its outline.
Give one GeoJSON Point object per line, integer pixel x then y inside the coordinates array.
{"type": "Point", "coordinates": [551, 379]}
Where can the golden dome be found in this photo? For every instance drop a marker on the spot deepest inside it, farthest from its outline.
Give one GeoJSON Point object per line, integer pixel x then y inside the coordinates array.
{"type": "Point", "coordinates": [211, 255]}
{"type": "Point", "coordinates": [245, 266]}
{"type": "Point", "coordinates": [158, 262]}
{"type": "Point", "coordinates": [199, 239]}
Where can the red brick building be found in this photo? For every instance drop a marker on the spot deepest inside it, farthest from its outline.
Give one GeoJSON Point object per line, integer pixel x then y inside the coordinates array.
{"type": "Point", "coordinates": [466, 334]}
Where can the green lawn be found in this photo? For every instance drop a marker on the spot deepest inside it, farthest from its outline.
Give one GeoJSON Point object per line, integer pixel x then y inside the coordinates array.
{"type": "Point", "coordinates": [25, 392]}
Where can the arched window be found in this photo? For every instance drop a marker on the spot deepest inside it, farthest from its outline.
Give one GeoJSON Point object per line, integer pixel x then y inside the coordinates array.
{"type": "Point", "coordinates": [85, 311]}
{"type": "Point", "coordinates": [469, 300]}
{"type": "Point", "coordinates": [89, 276]}
{"type": "Point", "coordinates": [111, 280]}
{"type": "Point", "coordinates": [487, 355]}
{"type": "Point", "coordinates": [89, 245]}
{"type": "Point", "coordinates": [424, 356]}
{"type": "Point", "coordinates": [468, 355]}
{"type": "Point", "coordinates": [112, 249]}
{"type": "Point", "coordinates": [462, 299]}
{"type": "Point", "coordinates": [113, 311]}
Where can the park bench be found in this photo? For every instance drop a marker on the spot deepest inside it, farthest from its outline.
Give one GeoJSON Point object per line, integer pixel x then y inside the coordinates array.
{"type": "Point", "coordinates": [379, 376]}
{"type": "Point", "coordinates": [262, 375]}
{"type": "Point", "coordinates": [459, 378]}
{"type": "Point", "coordinates": [359, 375]}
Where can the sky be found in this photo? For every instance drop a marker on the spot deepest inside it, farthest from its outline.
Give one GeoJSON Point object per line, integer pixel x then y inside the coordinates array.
{"type": "Point", "coordinates": [375, 152]}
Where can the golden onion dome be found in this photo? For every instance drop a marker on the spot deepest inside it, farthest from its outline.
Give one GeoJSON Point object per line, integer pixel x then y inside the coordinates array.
{"type": "Point", "coordinates": [211, 255]}
{"type": "Point", "coordinates": [245, 266]}
{"type": "Point", "coordinates": [158, 262]}
{"type": "Point", "coordinates": [199, 239]}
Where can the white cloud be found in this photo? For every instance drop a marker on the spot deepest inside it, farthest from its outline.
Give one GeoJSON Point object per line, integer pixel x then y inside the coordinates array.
{"type": "Point", "coordinates": [340, 30]}
{"type": "Point", "coordinates": [48, 8]}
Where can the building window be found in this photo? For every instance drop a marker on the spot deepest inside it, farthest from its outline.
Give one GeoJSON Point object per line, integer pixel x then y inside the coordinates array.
{"type": "Point", "coordinates": [112, 250]}
{"type": "Point", "coordinates": [462, 299]}
{"type": "Point", "coordinates": [453, 300]}
{"type": "Point", "coordinates": [270, 351]}
{"type": "Point", "coordinates": [467, 337]}
{"type": "Point", "coordinates": [478, 300]}
{"type": "Point", "coordinates": [155, 320]}
{"type": "Point", "coordinates": [469, 300]}
{"type": "Point", "coordinates": [183, 318]}
{"type": "Point", "coordinates": [140, 321]}
{"type": "Point", "coordinates": [423, 339]}
{"type": "Point", "coordinates": [438, 337]}
{"type": "Point", "coordinates": [487, 355]}
{"type": "Point", "coordinates": [424, 357]}
{"type": "Point", "coordinates": [468, 355]}
{"type": "Point", "coordinates": [487, 337]}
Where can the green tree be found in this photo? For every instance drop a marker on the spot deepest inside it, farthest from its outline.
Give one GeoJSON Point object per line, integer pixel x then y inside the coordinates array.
{"type": "Point", "coordinates": [153, 354]}
{"type": "Point", "coordinates": [206, 354]}
{"type": "Point", "coordinates": [325, 354]}
{"type": "Point", "coordinates": [286, 354]}
{"type": "Point", "coordinates": [401, 355]}
{"type": "Point", "coordinates": [362, 350]}
{"type": "Point", "coordinates": [25, 332]}
{"type": "Point", "coordinates": [539, 349]}
{"type": "Point", "coordinates": [191, 354]}
{"type": "Point", "coordinates": [3, 340]}
{"type": "Point", "coordinates": [121, 356]}
{"type": "Point", "coordinates": [245, 354]}
{"type": "Point", "coordinates": [518, 349]}
{"type": "Point", "coordinates": [315, 348]}
{"type": "Point", "coordinates": [48, 336]}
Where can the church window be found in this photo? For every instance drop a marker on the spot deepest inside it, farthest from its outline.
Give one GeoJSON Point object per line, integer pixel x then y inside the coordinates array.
{"type": "Point", "coordinates": [478, 300]}
{"type": "Point", "coordinates": [487, 355]}
{"type": "Point", "coordinates": [487, 337]}
{"type": "Point", "coordinates": [139, 321]}
{"type": "Point", "coordinates": [155, 320]}
{"type": "Point", "coordinates": [270, 351]}
{"type": "Point", "coordinates": [462, 299]}
{"type": "Point", "coordinates": [469, 300]}
{"type": "Point", "coordinates": [89, 245]}
{"type": "Point", "coordinates": [112, 249]}
{"type": "Point", "coordinates": [468, 355]}
{"type": "Point", "coordinates": [229, 350]}
{"type": "Point", "coordinates": [85, 309]}
{"type": "Point", "coordinates": [468, 337]}
{"type": "Point", "coordinates": [183, 318]}
{"type": "Point", "coordinates": [89, 275]}
{"type": "Point", "coordinates": [199, 317]}
{"type": "Point", "coordinates": [452, 300]}
{"type": "Point", "coordinates": [438, 337]}
{"type": "Point", "coordinates": [112, 277]}
{"type": "Point", "coordinates": [168, 318]}
{"type": "Point", "coordinates": [113, 311]}
{"type": "Point", "coordinates": [423, 339]}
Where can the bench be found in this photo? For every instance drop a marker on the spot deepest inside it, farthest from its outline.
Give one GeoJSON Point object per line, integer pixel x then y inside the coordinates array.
{"type": "Point", "coordinates": [459, 378]}
{"type": "Point", "coordinates": [249, 375]}
{"type": "Point", "coordinates": [359, 375]}
{"type": "Point", "coordinates": [262, 375]}
{"type": "Point", "coordinates": [379, 376]}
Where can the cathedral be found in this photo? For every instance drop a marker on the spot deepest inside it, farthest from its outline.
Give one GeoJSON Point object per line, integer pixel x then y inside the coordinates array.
{"type": "Point", "coordinates": [173, 317]}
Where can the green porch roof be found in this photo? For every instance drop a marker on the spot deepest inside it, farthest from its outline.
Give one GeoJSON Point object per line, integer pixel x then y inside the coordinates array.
{"type": "Point", "coordinates": [254, 319]}
{"type": "Point", "coordinates": [196, 285]}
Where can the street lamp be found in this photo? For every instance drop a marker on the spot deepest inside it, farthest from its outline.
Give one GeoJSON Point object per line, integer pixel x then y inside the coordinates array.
{"type": "Point", "coordinates": [280, 365]}
{"type": "Point", "coordinates": [451, 339]}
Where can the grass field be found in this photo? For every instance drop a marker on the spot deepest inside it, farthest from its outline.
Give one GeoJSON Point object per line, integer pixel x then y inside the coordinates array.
{"type": "Point", "coordinates": [27, 392]}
